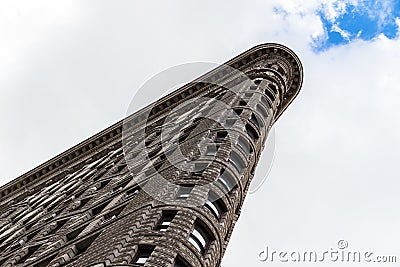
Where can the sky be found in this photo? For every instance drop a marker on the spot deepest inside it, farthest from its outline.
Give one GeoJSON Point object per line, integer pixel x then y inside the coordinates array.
{"type": "Point", "coordinates": [69, 69]}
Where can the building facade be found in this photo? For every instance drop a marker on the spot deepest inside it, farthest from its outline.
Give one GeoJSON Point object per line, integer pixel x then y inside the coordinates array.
{"type": "Point", "coordinates": [165, 186]}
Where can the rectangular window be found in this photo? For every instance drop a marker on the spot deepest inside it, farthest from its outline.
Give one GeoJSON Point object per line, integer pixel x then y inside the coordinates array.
{"type": "Point", "coordinates": [29, 253]}
{"type": "Point", "coordinates": [112, 214]}
{"type": "Point", "coordinates": [143, 254]}
{"type": "Point", "coordinates": [58, 226]}
{"type": "Point", "coordinates": [180, 262]}
{"type": "Point", "coordinates": [166, 219]}
{"type": "Point", "coordinates": [230, 122]}
{"type": "Point", "coordinates": [199, 168]}
{"type": "Point", "coordinates": [72, 235]}
{"type": "Point", "coordinates": [132, 192]}
{"type": "Point", "coordinates": [83, 245]}
{"type": "Point", "coordinates": [212, 150]}
{"type": "Point", "coordinates": [221, 136]}
{"type": "Point", "coordinates": [99, 208]}
{"type": "Point", "coordinates": [184, 191]}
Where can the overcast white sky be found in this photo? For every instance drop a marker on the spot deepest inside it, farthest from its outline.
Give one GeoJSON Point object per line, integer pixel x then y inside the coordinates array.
{"type": "Point", "coordinates": [69, 69]}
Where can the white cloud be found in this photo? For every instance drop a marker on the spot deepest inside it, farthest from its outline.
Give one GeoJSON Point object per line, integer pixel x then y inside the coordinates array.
{"type": "Point", "coordinates": [345, 34]}
{"type": "Point", "coordinates": [24, 27]}
{"type": "Point", "coordinates": [334, 8]}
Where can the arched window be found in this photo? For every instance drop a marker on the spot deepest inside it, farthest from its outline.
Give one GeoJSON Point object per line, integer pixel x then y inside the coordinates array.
{"type": "Point", "coordinates": [200, 237]}
{"type": "Point", "coordinates": [258, 81]}
{"type": "Point", "coordinates": [252, 133]}
{"type": "Point", "coordinates": [265, 102]}
{"type": "Point", "coordinates": [262, 111]}
{"type": "Point", "coordinates": [273, 87]}
{"type": "Point", "coordinates": [215, 205]}
{"type": "Point", "coordinates": [227, 181]}
{"type": "Point", "coordinates": [270, 95]}
{"type": "Point", "coordinates": [257, 122]}
{"type": "Point", "coordinates": [237, 162]}
{"type": "Point", "coordinates": [244, 145]}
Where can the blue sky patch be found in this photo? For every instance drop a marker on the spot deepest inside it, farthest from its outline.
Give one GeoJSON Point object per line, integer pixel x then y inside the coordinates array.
{"type": "Point", "coordinates": [364, 20]}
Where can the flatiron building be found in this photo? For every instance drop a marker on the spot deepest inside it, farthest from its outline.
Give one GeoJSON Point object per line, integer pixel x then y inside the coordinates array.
{"type": "Point", "coordinates": [165, 186]}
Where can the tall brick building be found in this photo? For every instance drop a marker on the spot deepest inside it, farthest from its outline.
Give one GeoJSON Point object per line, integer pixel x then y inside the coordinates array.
{"type": "Point", "coordinates": [165, 186]}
